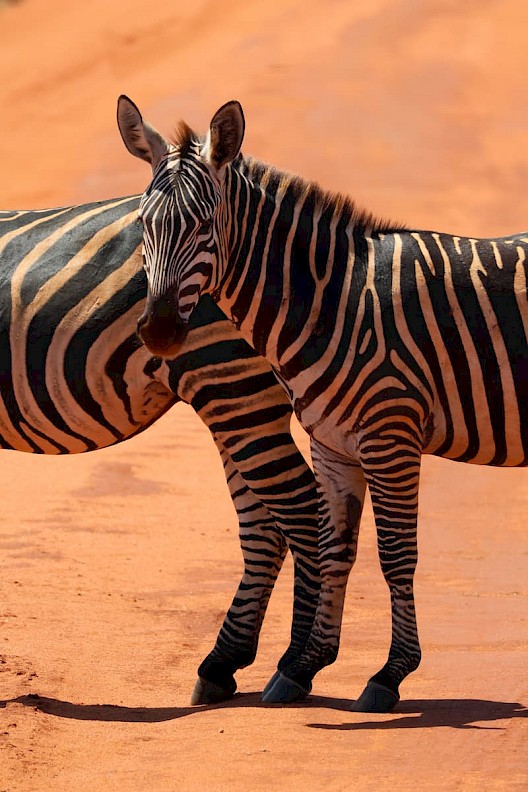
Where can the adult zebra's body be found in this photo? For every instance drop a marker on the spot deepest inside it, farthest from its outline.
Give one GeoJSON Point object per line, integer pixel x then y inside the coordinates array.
{"type": "Point", "coordinates": [391, 343]}
{"type": "Point", "coordinates": [75, 377]}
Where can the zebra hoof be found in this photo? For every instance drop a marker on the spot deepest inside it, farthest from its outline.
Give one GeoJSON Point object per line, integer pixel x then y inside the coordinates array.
{"type": "Point", "coordinates": [206, 692]}
{"type": "Point", "coordinates": [270, 684]}
{"type": "Point", "coordinates": [376, 698]}
{"type": "Point", "coordinates": [281, 690]}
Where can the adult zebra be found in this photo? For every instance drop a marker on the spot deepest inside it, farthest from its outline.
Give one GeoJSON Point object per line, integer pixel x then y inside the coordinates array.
{"type": "Point", "coordinates": [391, 343]}
{"type": "Point", "coordinates": [75, 377]}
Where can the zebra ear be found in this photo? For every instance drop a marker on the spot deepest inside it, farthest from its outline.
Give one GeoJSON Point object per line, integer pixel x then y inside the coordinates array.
{"type": "Point", "coordinates": [140, 138]}
{"type": "Point", "coordinates": [225, 135]}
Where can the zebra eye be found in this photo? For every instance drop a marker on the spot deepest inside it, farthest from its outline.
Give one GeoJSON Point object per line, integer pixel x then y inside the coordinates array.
{"type": "Point", "coordinates": [205, 226]}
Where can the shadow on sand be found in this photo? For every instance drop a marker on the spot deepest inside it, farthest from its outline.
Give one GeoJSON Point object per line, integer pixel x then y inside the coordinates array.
{"type": "Point", "coordinates": [431, 713]}
{"type": "Point", "coordinates": [410, 714]}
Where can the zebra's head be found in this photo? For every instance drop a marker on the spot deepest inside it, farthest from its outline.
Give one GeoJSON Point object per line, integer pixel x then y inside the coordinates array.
{"type": "Point", "coordinates": [183, 213]}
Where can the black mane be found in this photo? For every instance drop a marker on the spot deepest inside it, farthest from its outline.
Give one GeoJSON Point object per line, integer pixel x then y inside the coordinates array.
{"type": "Point", "coordinates": [334, 203]}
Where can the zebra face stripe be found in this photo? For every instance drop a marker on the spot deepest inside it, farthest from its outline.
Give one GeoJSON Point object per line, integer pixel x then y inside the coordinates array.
{"type": "Point", "coordinates": [185, 226]}
{"type": "Point", "coordinates": [181, 244]}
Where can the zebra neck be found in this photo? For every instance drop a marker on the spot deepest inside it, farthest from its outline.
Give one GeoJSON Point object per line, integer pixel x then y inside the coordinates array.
{"type": "Point", "coordinates": [290, 250]}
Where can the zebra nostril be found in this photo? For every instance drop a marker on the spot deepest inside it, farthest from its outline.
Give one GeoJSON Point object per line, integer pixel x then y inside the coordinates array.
{"type": "Point", "coordinates": [164, 309]}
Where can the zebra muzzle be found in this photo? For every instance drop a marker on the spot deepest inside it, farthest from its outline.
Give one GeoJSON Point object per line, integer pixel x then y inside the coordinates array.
{"type": "Point", "coordinates": [161, 328]}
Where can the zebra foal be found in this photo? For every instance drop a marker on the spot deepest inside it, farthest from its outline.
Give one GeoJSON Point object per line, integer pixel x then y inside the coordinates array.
{"type": "Point", "coordinates": [75, 377]}
{"type": "Point", "coordinates": [391, 343]}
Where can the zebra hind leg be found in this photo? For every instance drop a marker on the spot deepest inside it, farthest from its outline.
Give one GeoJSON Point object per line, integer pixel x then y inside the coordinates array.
{"type": "Point", "coordinates": [392, 471]}
{"type": "Point", "coordinates": [263, 549]}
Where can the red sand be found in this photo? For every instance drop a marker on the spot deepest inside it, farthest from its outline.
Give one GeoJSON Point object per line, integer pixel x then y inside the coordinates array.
{"type": "Point", "coordinates": [116, 569]}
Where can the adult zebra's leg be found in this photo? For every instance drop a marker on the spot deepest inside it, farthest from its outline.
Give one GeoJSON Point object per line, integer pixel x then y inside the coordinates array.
{"type": "Point", "coordinates": [262, 449]}
{"type": "Point", "coordinates": [287, 489]}
{"type": "Point", "coordinates": [392, 470]}
{"type": "Point", "coordinates": [341, 486]}
{"type": "Point", "coordinates": [296, 519]}
{"type": "Point", "coordinates": [263, 549]}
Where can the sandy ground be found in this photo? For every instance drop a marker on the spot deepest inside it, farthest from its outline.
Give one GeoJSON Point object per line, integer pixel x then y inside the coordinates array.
{"type": "Point", "coordinates": [115, 569]}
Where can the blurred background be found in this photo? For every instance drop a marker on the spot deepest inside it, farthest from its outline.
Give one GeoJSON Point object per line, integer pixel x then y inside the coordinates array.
{"type": "Point", "coordinates": [416, 108]}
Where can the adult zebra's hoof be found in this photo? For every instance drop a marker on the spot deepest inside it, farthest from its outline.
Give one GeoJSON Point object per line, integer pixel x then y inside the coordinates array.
{"type": "Point", "coordinates": [376, 698]}
{"type": "Point", "coordinates": [206, 692]}
{"type": "Point", "coordinates": [281, 690]}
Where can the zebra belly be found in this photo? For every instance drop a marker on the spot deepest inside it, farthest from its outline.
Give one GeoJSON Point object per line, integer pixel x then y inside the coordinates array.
{"type": "Point", "coordinates": [487, 433]}
{"type": "Point", "coordinates": [499, 442]}
{"type": "Point", "coordinates": [482, 417]}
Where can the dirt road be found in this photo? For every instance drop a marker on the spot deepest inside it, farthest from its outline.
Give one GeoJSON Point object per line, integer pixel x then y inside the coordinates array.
{"type": "Point", "coordinates": [115, 568]}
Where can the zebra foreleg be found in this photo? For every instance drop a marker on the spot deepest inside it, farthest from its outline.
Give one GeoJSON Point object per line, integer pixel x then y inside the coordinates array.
{"type": "Point", "coordinates": [392, 470]}
{"type": "Point", "coordinates": [263, 549]}
{"type": "Point", "coordinates": [341, 487]}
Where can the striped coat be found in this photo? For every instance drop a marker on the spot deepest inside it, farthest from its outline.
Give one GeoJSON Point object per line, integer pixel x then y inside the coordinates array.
{"type": "Point", "coordinates": [391, 343]}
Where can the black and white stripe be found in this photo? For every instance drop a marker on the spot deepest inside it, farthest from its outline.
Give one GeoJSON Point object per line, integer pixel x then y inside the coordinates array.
{"type": "Point", "coordinates": [75, 377]}
{"type": "Point", "coordinates": [391, 343]}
